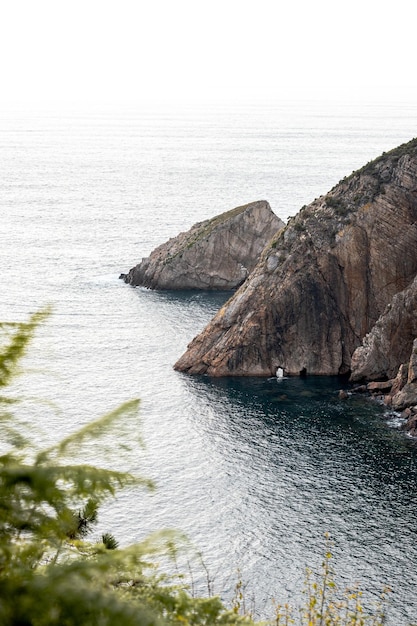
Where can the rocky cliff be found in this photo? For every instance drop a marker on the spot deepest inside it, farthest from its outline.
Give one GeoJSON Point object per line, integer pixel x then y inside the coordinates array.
{"type": "Point", "coordinates": [323, 282]}
{"type": "Point", "coordinates": [389, 354]}
{"type": "Point", "coordinates": [216, 254]}
{"type": "Point", "coordinates": [390, 341]}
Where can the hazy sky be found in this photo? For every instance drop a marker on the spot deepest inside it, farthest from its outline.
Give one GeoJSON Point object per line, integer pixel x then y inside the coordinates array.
{"type": "Point", "coordinates": [133, 50]}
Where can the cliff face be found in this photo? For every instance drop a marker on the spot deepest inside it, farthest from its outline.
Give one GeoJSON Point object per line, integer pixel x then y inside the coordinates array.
{"type": "Point", "coordinates": [215, 254]}
{"type": "Point", "coordinates": [389, 352]}
{"type": "Point", "coordinates": [390, 341]}
{"type": "Point", "coordinates": [406, 396]}
{"type": "Point", "coordinates": [323, 282]}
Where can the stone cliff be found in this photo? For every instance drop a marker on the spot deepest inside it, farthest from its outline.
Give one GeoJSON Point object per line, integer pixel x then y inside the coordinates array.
{"type": "Point", "coordinates": [390, 341]}
{"type": "Point", "coordinates": [389, 354]}
{"type": "Point", "coordinates": [215, 254]}
{"type": "Point", "coordinates": [323, 282]}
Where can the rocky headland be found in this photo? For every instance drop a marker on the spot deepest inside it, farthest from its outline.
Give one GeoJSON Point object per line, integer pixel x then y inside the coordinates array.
{"type": "Point", "coordinates": [334, 292]}
{"type": "Point", "coordinates": [217, 254]}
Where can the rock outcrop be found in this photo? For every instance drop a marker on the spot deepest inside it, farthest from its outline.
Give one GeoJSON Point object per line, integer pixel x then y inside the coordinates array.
{"type": "Point", "coordinates": [216, 254]}
{"type": "Point", "coordinates": [321, 285]}
{"type": "Point", "coordinates": [400, 393]}
{"type": "Point", "coordinates": [407, 395]}
{"type": "Point", "coordinates": [390, 341]}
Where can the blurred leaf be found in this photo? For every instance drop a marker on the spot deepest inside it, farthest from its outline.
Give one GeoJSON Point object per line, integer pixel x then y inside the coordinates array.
{"type": "Point", "coordinates": [90, 431]}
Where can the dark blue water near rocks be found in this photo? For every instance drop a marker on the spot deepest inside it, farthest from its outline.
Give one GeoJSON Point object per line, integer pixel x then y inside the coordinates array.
{"type": "Point", "coordinates": [313, 463]}
{"type": "Point", "coordinates": [253, 471]}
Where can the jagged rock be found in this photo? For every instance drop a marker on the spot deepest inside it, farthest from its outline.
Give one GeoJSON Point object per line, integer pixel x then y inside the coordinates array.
{"type": "Point", "coordinates": [412, 368]}
{"type": "Point", "coordinates": [322, 283]}
{"type": "Point", "coordinates": [397, 383]}
{"type": "Point", "coordinates": [390, 341]}
{"type": "Point", "coordinates": [215, 254]}
{"type": "Point", "coordinates": [360, 389]}
{"type": "Point", "coordinates": [407, 396]}
{"type": "Point", "coordinates": [410, 425]}
{"type": "Point", "coordinates": [402, 396]}
{"type": "Point", "coordinates": [400, 380]}
{"type": "Point", "coordinates": [378, 387]}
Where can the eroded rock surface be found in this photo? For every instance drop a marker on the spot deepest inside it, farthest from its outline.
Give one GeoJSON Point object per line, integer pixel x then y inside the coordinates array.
{"type": "Point", "coordinates": [390, 341]}
{"type": "Point", "coordinates": [323, 282]}
{"type": "Point", "coordinates": [216, 254]}
{"type": "Point", "coordinates": [400, 393]}
{"type": "Point", "coordinates": [407, 395]}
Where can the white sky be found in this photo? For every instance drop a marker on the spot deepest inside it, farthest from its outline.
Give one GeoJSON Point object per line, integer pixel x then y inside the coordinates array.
{"type": "Point", "coordinates": [135, 50]}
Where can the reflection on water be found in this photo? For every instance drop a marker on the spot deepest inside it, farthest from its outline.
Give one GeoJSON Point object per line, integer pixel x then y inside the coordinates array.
{"type": "Point", "coordinates": [306, 462]}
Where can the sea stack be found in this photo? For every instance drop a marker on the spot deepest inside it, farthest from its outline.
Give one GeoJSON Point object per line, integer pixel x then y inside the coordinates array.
{"type": "Point", "coordinates": [217, 254]}
{"type": "Point", "coordinates": [323, 282]}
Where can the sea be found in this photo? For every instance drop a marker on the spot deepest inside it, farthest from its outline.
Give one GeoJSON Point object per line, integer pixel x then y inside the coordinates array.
{"type": "Point", "coordinates": [259, 477]}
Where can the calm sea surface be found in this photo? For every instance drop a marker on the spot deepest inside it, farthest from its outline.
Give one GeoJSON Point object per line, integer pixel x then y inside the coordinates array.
{"type": "Point", "coordinates": [253, 471]}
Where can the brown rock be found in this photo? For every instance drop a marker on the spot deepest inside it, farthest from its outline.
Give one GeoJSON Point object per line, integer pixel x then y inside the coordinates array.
{"type": "Point", "coordinates": [407, 396]}
{"type": "Point", "coordinates": [390, 340]}
{"type": "Point", "coordinates": [216, 254]}
{"type": "Point", "coordinates": [410, 425]}
{"type": "Point", "coordinates": [324, 281]}
{"type": "Point", "coordinates": [384, 386]}
{"type": "Point", "coordinates": [412, 368]}
{"type": "Point", "coordinates": [400, 380]}
{"type": "Point", "coordinates": [360, 389]}
{"type": "Point", "coordinates": [396, 384]}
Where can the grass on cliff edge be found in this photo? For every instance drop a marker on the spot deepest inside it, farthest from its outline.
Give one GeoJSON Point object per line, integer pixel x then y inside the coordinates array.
{"type": "Point", "coordinates": [396, 153]}
{"type": "Point", "coordinates": [50, 574]}
{"type": "Point", "coordinates": [206, 227]}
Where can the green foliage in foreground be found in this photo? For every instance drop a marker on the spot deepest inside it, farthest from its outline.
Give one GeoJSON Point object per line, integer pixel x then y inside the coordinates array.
{"type": "Point", "coordinates": [51, 575]}
{"type": "Point", "coordinates": [326, 606]}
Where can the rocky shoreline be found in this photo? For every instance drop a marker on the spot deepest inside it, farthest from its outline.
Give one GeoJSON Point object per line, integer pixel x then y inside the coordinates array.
{"type": "Point", "coordinates": [398, 394]}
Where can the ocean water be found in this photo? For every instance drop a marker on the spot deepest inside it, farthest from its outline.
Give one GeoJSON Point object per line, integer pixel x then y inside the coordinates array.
{"type": "Point", "coordinates": [253, 471]}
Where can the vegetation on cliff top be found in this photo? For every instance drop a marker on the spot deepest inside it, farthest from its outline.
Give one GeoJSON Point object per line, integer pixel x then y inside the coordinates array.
{"type": "Point", "coordinates": [395, 154]}
{"type": "Point", "coordinates": [341, 201]}
{"type": "Point", "coordinates": [205, 228]}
